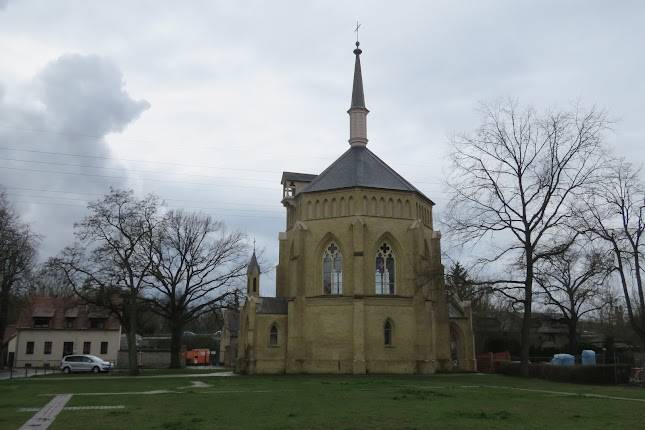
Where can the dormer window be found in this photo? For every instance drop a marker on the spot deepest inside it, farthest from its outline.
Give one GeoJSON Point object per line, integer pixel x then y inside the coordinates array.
{"type": "Point", "coordinates": [41, 322]}
{"type": "Point", "coordinates": [69, 322]}
{"type": "Point", "coordinates": [97, 323]}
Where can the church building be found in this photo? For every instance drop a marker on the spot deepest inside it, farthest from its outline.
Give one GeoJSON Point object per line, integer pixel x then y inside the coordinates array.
{"type": "Point", "coordinates": [359, 282]}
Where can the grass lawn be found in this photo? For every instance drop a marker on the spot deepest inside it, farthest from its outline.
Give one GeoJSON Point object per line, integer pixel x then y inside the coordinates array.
{"type": "Point", "coordinates": [324, 402]}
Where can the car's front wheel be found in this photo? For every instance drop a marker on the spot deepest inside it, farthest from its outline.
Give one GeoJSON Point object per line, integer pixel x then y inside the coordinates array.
{"type": "Point", "coordinates": [96, 369]}
{"type": "Point", "coordinates": [67, 370]}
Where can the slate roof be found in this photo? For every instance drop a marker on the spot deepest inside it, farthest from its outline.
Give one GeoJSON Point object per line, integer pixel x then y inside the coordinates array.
{"type": "Point", "coordinates": [358, 97]}
{"type": "Point", "coordinates": [253, 264]}
{"type": "Point", "coordinates": [360, 167]}
{"type": "Point", "coordinates": [297, 177]}
{"type": "Point", "coordinates": [272, 305]}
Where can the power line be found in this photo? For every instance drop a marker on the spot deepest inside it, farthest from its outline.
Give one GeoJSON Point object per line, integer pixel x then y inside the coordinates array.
{"type": "Point", "coordinates": [208, 210]}
{"type": "Point", "coordinates": [95, 136]}
{"type": "Point", "coordinates": [151, 162]}
{"type": "Point", "coordinates": [103, 157]}
{"type": "Point", "coordinates": [85, 166]}
{"type": "Point", "coordinates": [129, 178]}
{"type": "Point", "coordinates": [84, 200]}
{"type": "Point", "coordinates": [237, 204]}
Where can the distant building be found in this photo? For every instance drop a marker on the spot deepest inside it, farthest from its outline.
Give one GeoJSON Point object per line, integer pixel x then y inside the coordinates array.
{"type": "Point", "coordinates": [502, 332]}
{"type": "Point", "coordinates": [359, 282]}
{"type": "Point", "coordinates": [153, 352]}
{"type": "Point", "coordinates": [51, 327]}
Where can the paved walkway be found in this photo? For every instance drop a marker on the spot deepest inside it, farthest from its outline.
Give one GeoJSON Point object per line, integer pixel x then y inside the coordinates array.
{"type": "Point", "coordinates": [45, 417]}
{"type": "Point", "coordinates": [110, 377]}
{"type": "Point", "coordinates": [21, 373]}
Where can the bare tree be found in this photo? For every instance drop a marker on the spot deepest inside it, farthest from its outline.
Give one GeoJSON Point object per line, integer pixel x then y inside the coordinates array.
{"type": "Point", "coordinates": [196, 266]}
{"type": "Point", "coordinates": [460, 283]}
{"type": "Point", "coordinates": [615, 213]}
{"type": "Point", "coordinates": [572, 282]}
{"type": "Point", "coordinates": [109, 264]}
{"type": "Point", "coordinates": [18, 246]}
{"type": "Point", "coordinates": [46, 280]}
{"type": "Point", "coordinates": [514, 181]}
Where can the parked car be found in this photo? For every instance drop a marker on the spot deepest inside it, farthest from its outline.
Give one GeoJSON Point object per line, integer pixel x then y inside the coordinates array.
{"type": "Point", "coordinates": [84, 363]}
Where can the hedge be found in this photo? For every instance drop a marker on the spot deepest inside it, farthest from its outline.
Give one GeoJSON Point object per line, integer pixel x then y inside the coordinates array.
{"type": "Point", "coordinates": [578, 374]}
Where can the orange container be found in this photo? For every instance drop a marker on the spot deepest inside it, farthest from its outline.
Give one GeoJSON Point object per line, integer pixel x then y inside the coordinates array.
{"type": "Point", "coordinates": [198, 356]}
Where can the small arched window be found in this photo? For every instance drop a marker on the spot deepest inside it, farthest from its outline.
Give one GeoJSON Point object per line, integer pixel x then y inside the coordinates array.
{"type": "Point", "coordinates": [255, 285]}
{"type": "Point", "coordinates": [387, 333]}
{"type": "Point", "coordinates": [273, 335]}
{"type": "Point", "coordinates": [385, 276]}
{"type": "Point", "coordinates": [332, 270]}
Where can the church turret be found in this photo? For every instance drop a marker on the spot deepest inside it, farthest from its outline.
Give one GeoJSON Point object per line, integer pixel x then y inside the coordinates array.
{"type": "Point", "coordinates": [253, 277]}
{"type": "Point", "coordinates": [357, 111]}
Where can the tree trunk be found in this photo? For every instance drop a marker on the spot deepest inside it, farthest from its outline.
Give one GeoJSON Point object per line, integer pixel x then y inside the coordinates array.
{"type": "Point", "coordinates": [133, 363]}
{"type": "Point", "coordinates": [176, 331]}
{"type": "Point", "coordinates": [526, 320]}
{"type": "Point", "coordinates": [4, 316]}
{"type": "Point", "coordinates": [573, 337]}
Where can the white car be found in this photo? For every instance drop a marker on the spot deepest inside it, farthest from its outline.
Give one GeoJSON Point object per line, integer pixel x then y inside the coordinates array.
{"type": "Point", "coordinates": [84, 363]}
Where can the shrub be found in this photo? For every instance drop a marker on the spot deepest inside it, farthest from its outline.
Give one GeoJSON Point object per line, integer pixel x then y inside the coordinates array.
{"type": "Point", "coordinates": [578, 374]}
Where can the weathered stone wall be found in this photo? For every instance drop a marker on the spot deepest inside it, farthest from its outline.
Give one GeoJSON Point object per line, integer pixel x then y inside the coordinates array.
{"type": "Point", "coordinates": [158, 359]}
{"type": "Point", "coordinates": [344, 334]}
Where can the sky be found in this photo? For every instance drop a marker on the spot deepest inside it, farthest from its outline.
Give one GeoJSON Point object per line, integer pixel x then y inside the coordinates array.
{"type": "Point", "coordinates": [205, 103]}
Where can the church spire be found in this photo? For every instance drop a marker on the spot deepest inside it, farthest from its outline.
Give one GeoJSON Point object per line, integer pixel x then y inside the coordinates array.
{"type": "Point", "coordinates": [253, 275]}
{"type": "Point", "coordinates": [357, 111]}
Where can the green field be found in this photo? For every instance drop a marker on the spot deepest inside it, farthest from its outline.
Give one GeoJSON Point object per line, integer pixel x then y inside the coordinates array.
{"type": "Point", "coordinates": [447, 401]}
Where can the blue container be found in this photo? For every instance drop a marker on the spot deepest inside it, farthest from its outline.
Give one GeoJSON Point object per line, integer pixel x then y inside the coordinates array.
{"type": "Point", "coordinates": [588, 357]}
{"type": "Point", "coordinates": [563, 360]}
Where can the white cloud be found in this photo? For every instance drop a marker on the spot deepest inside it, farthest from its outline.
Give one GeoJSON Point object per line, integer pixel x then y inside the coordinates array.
{"type": "Point", "coordinates": [73, 103]}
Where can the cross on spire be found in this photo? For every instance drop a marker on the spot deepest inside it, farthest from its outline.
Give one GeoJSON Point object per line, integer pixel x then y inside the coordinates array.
{"type": "Point", "coordinates": [357, 110]}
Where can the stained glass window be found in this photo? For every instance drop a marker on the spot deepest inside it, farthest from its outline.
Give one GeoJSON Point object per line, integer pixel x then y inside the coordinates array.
{"type": "Point", "coordinates": [385, 270]}
{"type": "Point", "coordinates": [332, 270]}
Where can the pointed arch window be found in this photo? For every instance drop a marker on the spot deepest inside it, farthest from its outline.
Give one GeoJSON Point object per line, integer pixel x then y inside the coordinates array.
{"type": "Point", "coordinates": [387, 333]}
{"type": "Point", "coordinates": [273, 335]}
{"type": "Point", "coordinates": [385, 273]}
{"type": "Point", "coordinates": [332, 270]}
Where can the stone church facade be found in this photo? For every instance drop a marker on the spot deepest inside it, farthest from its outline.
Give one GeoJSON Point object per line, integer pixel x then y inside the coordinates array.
{"type": "Point", "coordinates": [359, 283]}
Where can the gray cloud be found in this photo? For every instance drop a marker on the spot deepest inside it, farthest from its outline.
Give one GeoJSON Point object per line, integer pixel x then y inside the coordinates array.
{"type": "Point", "coordinates": [68, 108]}
{"type": "Point", "coordinates": [86, 94]}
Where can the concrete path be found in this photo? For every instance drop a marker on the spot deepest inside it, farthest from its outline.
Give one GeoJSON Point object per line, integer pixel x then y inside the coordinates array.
{"type": "Point", "coordinates": [25, 373]}
{"type": "Point", "coordinates": [121, 393]}
{"type": "Point", "coordinates": [111, 378]}
{"type": "Point", "coordinates": [196, 384]}
{"type": "Point", "coordinates": [45, 417]}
